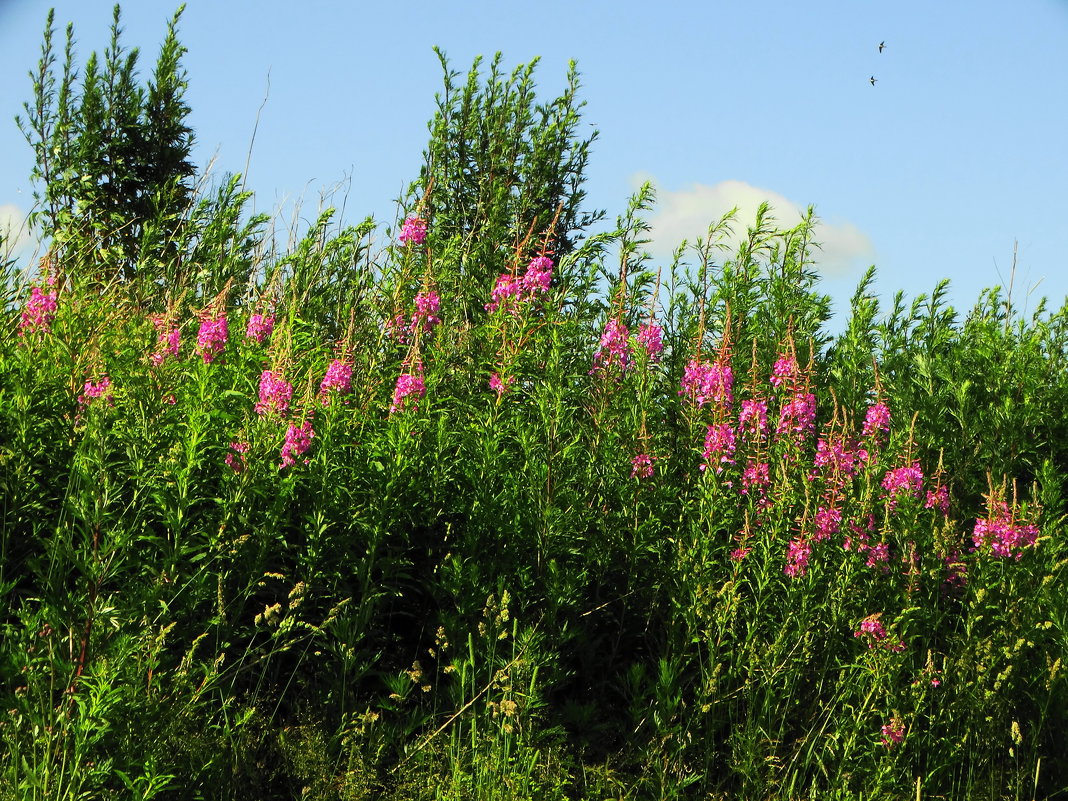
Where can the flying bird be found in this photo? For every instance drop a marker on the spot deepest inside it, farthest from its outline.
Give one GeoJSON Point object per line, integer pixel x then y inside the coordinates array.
{"type": "Point", "coordinates": [882, 46]}
{"type": "Point", "coordinates": [872, 79]}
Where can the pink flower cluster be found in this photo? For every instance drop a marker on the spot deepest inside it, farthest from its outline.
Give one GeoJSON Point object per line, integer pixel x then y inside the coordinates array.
{"type": "Point", "coordinates": [720, 444]}
{"type": "Point", "coordinates": [798, 415]}
{"type": "Point", "coordinates": [938, 498]}
{"type": "Point", "coordinates": [275, 394]}
{"type": "Point", "coordinates": [877, 419]}
{"type": "Point", "coordinates": [902, 483]}
{"type": "Point", "coordinates": [511, 290]}
{"type": "Point", "coordinates": [298, 440]}
{"type": "Point", "coordinates": [872, 631]}
{"type": "Point", "coordinates": [614, 351]}
{"type": "Point", "coordinates": [167, 341]}
{"type": "Point", "coordinates": [756, 476]}
{"type": "Point", "coordinates": [785, 372]}
{"type": "Point", "coordinates": [212, 337]}
{"type": "Point", "coordinates": [704, 381]}
{"type": "Point", "coordinates": [499, 385]}
{"type": "Point", "coordinates": [260, 326]}
{"type": "Point", "coordinates": [1002, 534]}
{"type": "Point", "coordinates": [753, 419]}
{"type": "Point", "coordinates": [338, 380]}
{"type": "Point", "coordinates": [797, 555]}
{"type": "Point", "coordinates": [642, 466]}
{"type": "Point", "coordinates": [235, 459]}
{"type": "Point", "coordinates": [427, 305]}
{"type": "Point", "coordinates": [39, 312]}
{"type": "Point", "coordinates": [409, 389]}
{"type": "Point", "coordinates": [96, 389]}
{"type": "Point", "coordinates": [893, 732]}
{"type": "Point", "coordinates": [650, 338]}
{"type": "Point", "coordinates": [413, 231]}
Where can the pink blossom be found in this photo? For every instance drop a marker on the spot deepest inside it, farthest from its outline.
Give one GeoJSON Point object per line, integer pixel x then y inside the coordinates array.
{"type": "Point", "coordinates": [297, 442]}
{"type": "Point", "coordinates": [39, 312]}
{"type": "Point", "coordinates": [642, 466]}
{"type": "Point", "coordinates": [413, 232]}
{"type": "Point", "coordinates": [702, 381]}
{"type": "Point", "coordinates": [260, 326]}
{"type": "Point", "coordinates": [834, 460]}
{"type": "Point", "coordinates": [538, 277]}
{"type": "Point", "coordinates": [235, 459]}
{"type": "Point", "coordinates": [719, 446]}
{"type": "Point", "coordinates": [426, 317]}
{"type": "Point", "coordinates": [650, 338]}
{"type": "Point", "coordinates": [410, 385]}
{"type": "Point", "coordinates": [878, 554]}
{"type": "Point", "coordinates": [614, 351]}
{"type": "Point", "coordinates": [785, 372]}
{"type": "Point", "coordinates": [1002, 534]}
{"type": "Point", "coordinates": [877, 419]}
{"type": "Point", "coordinates": [96, 389]}
{"type": "Point", "coordinates": [212, 337]}
{"type": "Point", "coordinates": [510, 290]}
{"type": "Point", "coordinates": [871, 628]}
{"type": "Point", "coordinates": [756, 476]}
{"type": "Point", "coordinates": [903, 482]}
{"type": "Point", "coordinates": [893, 732]}
{"type": "Point", "coordinates": [753, 419]}
{"type": "Point", "coordinates": [797, 556]}
{"type": "Point", "coordinates": [827, 523]}
{"type": "Point", "coordinates": [501, 386]}
{"type": "Point", "coordinates": [938, 498]}
{"type": "Point", "coordinates": [167, 342]}
{"type": "Point", "coordinates": [798, 415]}
{"type": "Point", "coordinates": [738, 554]}
{"type": "Point", "coordinates": [275, 394]}
{"type": "Point", "coordinates": [338, 379]}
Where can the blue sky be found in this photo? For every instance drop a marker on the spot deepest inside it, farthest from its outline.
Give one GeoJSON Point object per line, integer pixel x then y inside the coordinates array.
{"type": "Point", "coordinates": [957, 152]}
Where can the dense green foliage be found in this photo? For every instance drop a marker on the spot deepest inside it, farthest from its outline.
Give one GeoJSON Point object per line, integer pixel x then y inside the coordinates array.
{"type": "Point", "coordinates": [502, 509]}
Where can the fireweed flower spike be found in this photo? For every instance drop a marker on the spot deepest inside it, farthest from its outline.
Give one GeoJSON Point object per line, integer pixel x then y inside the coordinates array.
{"type": "Point", "coordinates": [337, 381]}
{"type": "Point", "coordinates": [275, 394]}
{"type": "Point", "coordinates": [413, 232]}
{"type": "Point", "coordinates": [1002, 534]}
{"type": "Point", "coordinates": [650, 339]}
{"type": "Point", "coordinates": [903, 482]}
{"type": "Point", "coordinates": [642, 466]}
{"type": "Point", "coordinates": [877, 419]}
{"type": "Point", "coordinates": [96, 389]}
{"type": "Point", "coordinates": [614, 350]}
{"type": "Point", "coordinates": [297, 442]}
{"type": "Point", "coordinates": [410, 384]}
{"type": "Point", "coordinates": [212, 337]}
{"type": "Point", "coordinates": [39, 313]}
{"type": "Point", "coordinates": [235, 459]}
{"type": "Point", "coordinates": [703, 382]}
{"type": "Point", "coordinates": [893, 732]}
{"type": "Point", "coordinates": [167, 342]}
{"type": "Point", "coordinates": [260, 326]}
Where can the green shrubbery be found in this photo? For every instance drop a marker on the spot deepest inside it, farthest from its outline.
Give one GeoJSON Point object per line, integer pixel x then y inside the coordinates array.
{"type": "Point", "coordinates": [503, 509]}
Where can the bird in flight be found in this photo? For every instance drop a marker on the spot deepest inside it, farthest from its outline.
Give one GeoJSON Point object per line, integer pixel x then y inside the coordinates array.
{"type": "Point", "coordinates": [882, 46]}
{"type": "Point", "coordinates": [872, 79]}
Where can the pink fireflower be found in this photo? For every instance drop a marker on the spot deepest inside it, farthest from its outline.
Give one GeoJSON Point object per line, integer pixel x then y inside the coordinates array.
{"type": "Point", "coordinates": [413, 232]}
{"type": "Point", "coordinates": [338, 380]}
{"type": "Point", "coordinates": [212, 337]}
{"type": "Point", "coordinates": [797, 556]}
{"type": "Point", "coordinates": [642, 466]}
{"type": "Point", "coordinates": [938, 498]}
{"type": "Point", "coordinates": [828, 522]}
{"type": "Point", "coordinates": [39, 313]}
{"type": "Point", "coordinates": [235, 458]}
{"type": "Point", "coordinates": [719, 446]}
{"type": "Point", "coordinates": [1002, 534]}
{"type": "Point", "coordinates": [702, 382]}
{"type": "Point", "coordinates": [798, 415]}
{"type": "Point", "coordinates": [96, 389]}
{"type": "Point", "coordinates": [410, 385]}
{"type": "Point", "coordinates": [650, 338]}
{"type": "Point", "coordinates": [753, 419]}
{"type": "Point", "coordinates": [538, 277]}
{"type": "Point", "coordinates": [275, 394]}
{"type": "Point", "coordinates": [499, 385]}
{"type": "Point", "coordinates": [893, 732]}
{"type": "Point", "coordinates": [426, 317]}
{"type": "Point", "coordinates": [260, 326]}
{"type": "Point", "coordinates": [903, 482]}
{"type": "Point", "coordinates": [297, 442]}
{"type": "Point", "coordinates": [785, 372]}
{"type": "Point", "coordinates": [871, 628]}
{"type": "Point", "coordinates": [756, 476]}
{"type": "Point", "coordinates": [614, 350]}
{"type": "Point", "coordinates": [167, 342]}
{"type": "Point", "coordinates": [877, 419]}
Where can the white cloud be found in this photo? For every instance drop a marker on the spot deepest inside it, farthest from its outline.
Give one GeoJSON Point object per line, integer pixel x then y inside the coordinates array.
{"type": "Point", "coordinates": [686, 214]}
{"type": "Point", "coordinates": [14, 230]}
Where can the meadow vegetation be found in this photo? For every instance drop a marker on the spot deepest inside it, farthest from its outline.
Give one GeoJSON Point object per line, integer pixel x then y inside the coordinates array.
{"type": "Point", "coordinates": [489, 504]}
